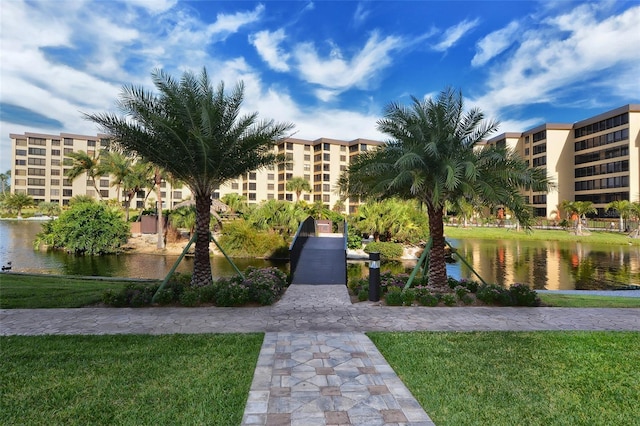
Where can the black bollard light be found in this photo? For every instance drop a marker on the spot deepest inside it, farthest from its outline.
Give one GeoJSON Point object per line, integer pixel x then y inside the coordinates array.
{"type": "Point", "coordinates": [374, 277]}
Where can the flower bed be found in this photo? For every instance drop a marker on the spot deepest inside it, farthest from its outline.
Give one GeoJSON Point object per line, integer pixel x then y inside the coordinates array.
{"type": "Point", "coordinates": [459, 293]}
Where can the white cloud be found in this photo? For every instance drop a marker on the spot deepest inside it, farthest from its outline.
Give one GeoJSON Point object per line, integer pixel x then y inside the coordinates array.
{"type": "Point", "coordinates": [231, 23]}
{"type": "Point", "coordinates": [268, 46]}
{"type": "Point", "coordinates": [571, 50]}
{"type": "Point", "coordinates": [455, 33]}
{"type": "Point", "coordinates": [153, 6]}
{"type": "Point", "coordinates": [337, 73]}
{"type": "Point", "coordinates": [361, 14]}
{"type": "Point", "coordinates": [495, 43]}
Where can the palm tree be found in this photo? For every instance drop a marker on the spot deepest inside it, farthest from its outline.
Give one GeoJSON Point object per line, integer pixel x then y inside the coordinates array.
{"type": "Point", "coordinates": [139, 177]}
{"type": "Point", "coordinates": [235, 202]}
{"type": "Point", "coordinates": [433, 155]}
{"type": "Point", "coordinates": [580, 209]}
{"type": "Point", "coordinates": [298, 184]}
{"type": "Point", "coordinates": [83, 163]}
{"type": "Point", "coordinates": [4, 181]}
{"type": "Point", "coordinates": [18, 201]}
{"type": "Point", "coordinates": [624, 209]}
{"type": "Point", "coordinates": [197, 134]}
{"type": "Point", "coordinates": [49, 209]}
{"type": "Point", "coordinates": [116, 164]}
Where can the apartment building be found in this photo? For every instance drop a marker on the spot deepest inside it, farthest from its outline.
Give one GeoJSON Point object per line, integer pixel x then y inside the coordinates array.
{"type": "Point", "coordinates": [596, 159]}
{"type": "Point", "coordinates": [40, 161]}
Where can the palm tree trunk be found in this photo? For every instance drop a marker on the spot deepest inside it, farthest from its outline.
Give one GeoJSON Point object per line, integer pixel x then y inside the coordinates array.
{"type": "Point", "coordinates": [437, 264]}
{"type": "Point", "coordinates": [202, 263]}
{"type": "Point", "coordinates": [160, 226]}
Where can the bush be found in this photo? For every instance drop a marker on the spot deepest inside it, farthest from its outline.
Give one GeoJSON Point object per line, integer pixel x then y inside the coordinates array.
{"type": "Point", "coordinates": [522, 295]}
{"type": "Point", "coordinates": [461, 291]}
{"type": "Point", "coordinates": [134, 295]}
{"type": "Point", "coordinates": [386, 250]}
{"type": "Point", "coordinates": [190, 297]}
{"type": "Point", "coordinates": [363, 295]}
{"type": "Point", "coordinates": [231, 292]}
{"type": "Point", "coordinates": [408, 296]}
{"type": "Point", "coordinates": [264, 285]}
{"type": "Point", "coordinates": [241, 239]}
{"type": "Point", "coordinates": [492, 294]}
{"type": "Point", "coordinates": [449, 299]}
{"type": "Point", "coordinates": [394, 297]}
{"type": "Point", "coordinates": [428, 299]}
{"type": "Point", "coordinates": [389, 281]}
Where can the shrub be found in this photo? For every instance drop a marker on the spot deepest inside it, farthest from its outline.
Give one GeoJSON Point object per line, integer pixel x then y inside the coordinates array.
{"type": "Point", "coordinates": [428, 299]}
{"type": "Point", "coordinates": [207, 294]}
{"type": "Point", "coordinates": [264, 285]}
{"type": "Point", "coordinates": [493, 294]}
{"type": "Point", "coordinates": [461, 291]}
{"type": "Point", "coordinates": [241, 239]}
{"type": "Point", "coordinates": [467, 299]}
{"type": "Point", "coordinates": [363, 295]}
{"type": "Point", "coordinates": [408, 296]}
{"type": "Point", "coordinates": [522, 295]}
{"type": "Point", "coordinates": [231, 292]}
{"type": "Point", "coordinates": [165, 296]}
{"type": "Point", "coordinates": [394, 297]}
{"type": "Point", "coordinates": [389, 281]}
{"type": "Point", "coordinates": [190, 297]}
{"type": "Point", "coordinates": [387, 250]}
{"type": "Point", "coordinates": [449, 299]}
{"type": "Point", "coordinates": [134, 295]}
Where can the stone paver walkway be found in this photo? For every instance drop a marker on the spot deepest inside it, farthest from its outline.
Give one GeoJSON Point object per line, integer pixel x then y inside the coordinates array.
{"type": "Point", "coordinates": [316, 367]}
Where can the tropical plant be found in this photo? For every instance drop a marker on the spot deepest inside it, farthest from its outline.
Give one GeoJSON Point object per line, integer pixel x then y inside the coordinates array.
{"type": "Point", "coordinates": [237, 203]}
{"type": "Point", "coordinates": [195, 133]}
{"type": "Point", "coordinates": [83, 164]}
{"type": "Point", "coordinates": [624, 209]}
{"type": "Point", "coordinates": [278, 215]}
{"type": "Point", "coordinates": [433, 156]}
{"type": "Point", "coordinates": [18, 201]}
{"type": "Point", "coordinates": [49, 209]}
{"type": "Point", "coordinates": [298, 184]}
{"type": "Point", "coordinates": [113, 162]}
{"type": "Point", "coordinates": [579, 209]}
{"type": "Point", "coordinates": [184, 217]}
{"type": "Point", "coordinates": [4, 181]}
{"type": "Point", "coordinates": [86, 228]}
{"type": "Point", "coordinates": [139, 177]}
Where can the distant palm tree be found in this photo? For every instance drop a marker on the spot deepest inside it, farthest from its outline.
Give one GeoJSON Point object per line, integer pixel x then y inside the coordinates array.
{"type": "Point", "coordinates": [298, 184]}
{"type": "Point", "coordinates": [235, 202]}
{"type": "Point", "coordinates": [197, 134]}
{"type": "Point", "coordinates": [624, 209]}
{"type": "Point", "coordinates": [83, 164]}
{"type": "Point", "coordinates": [139, 177]}
{"type": "Point", "coordinates": [434, 155]}
{"type": "Point", "coordinates": [18, 201]}
{"type": "Point", "coordinates": [580, 209]}
{"type": "Point", "coordinates": [116, 164]}
{"type": "Point", "coordinates": [4, 180]}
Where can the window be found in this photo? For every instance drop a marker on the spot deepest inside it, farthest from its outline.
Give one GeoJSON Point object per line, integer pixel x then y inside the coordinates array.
{"type": "Point", "coordinates": [67, 182]}
{"type": "Point", "coordinates": [55, 172]}
{"type": "Point", "coordinates": [540, 148]}
{"type": "Point", "coordinates": [37, 141]}
{"type": "Point", "coordinates": [288, 197]}
{"type": "Point", "coordinates": [526, 151]}
{"type": "Point", "coordinates": [363, 147]}
{"type": "Point", "coordinates": [21, 172]}
{"type": "Point", "coordinates": [21, 152]}
{"type": "Point", "coordinates": [289, 146]}
{"type": "Point", "coordinates": [326, 167]}
{"type": "Point", "coordinates": [37, 161]}
{"type": "Point", "coordinates": [104, 143]}
{"type": "Point", "coordinates": [54, 192]}
{"type": "Point", "coordinates": [234, 185]}
{"type": "Point", "coordinates": [317, 158]}
{"type": "Point", "coordinates": [343, 148]}
{"type": "Point", "coordinates": [55, 152]}
{"type": "Point", "coordinates": [343, 158]}
{"type": "Point", "coordinates": [343, 168]}
{"type": "Point", "coordinates": [326, 177]}
{"type": "Point", "coordinates": [252, 175]}
{"type": "Point", "coordinates": [177, 195]}
{"type": "Point", "coordinates": [307, 157]}
{"type": "Point", "coordinates": [326, 187]}
{"type": "Point", "coordinates": [69, 193]}
{"type": "Point", "coordinates": [35, 181]}
{"type": "Point", "coordinates": [317, 148]}
{"type": "Point", "coordinates": [270, 176]}
{"type": "Point", "coordinates": [539, 136]}
{"type": "Point", "coordinates": [252, 186]}
{"type": "Point", "coordinates": [307, 147]}
{"type": "Point", "coordinates": [252, 196]}
{"type": "Point", "coordinates": [35, 191]}
{"type": "Point", "coordinates": [37, 151]}
{"type": "Point", "coordinates": [353, 148]}
{"type": "Point", "coordinates": [55, 142]}
{"type": "Point", "coordinates": [36, 172]}
{"type": "Point", "coordinates": [270, 187]}
{"type": "Point", "coordinates": [91, 143]}
{"type": "Point", "coordinates": [104, 183]}
{"type": "Point", "coordinates": [55, 163]}
{"type": "Point", "coordinates": [270, 196]}
{"type": "Point", "coordinates": [325, 198]}
{"type": "Point", "coordinates": [307, 178]}
{"type": "Point", "coordinates": [307, 167]}
{"type": "Point", "coordinates": [68, 142]}
{"type": "Point", "coordinates": [55, 182]}
{"type": "Point", "coordinates": [21, 162]}
{"type": "Point", "coordinates": [540, 161]}
{"type": "Point", "coordinates": [67, 151]}
{"type": "Point", "coordinates": [326, 157]}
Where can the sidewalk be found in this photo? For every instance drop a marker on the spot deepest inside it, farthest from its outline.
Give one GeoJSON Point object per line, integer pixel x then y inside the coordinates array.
{"type": "Point", "coordinates": [316, 366]}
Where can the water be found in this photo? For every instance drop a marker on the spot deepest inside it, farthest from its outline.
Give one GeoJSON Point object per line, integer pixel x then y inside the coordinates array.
{"type": "Point", "coordinates": [16, 239]}
{"type": "Point", "coordinates": [541, 264]}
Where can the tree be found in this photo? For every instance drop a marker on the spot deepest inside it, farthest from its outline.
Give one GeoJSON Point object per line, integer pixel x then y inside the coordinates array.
{"type": "Point", "coordinates": [298, 184]}
{"type": "Point", "coordinates": [624, 209]}
{"type": "Point", "coordinates": [197, 134]}
{"type": "Point", "coordinates": [82, 163]}
{"type": "Point", "coordinates": [89, 228]}
{"type": "Point", "coordinates": [49, 209]}
{"type": "Point", "coordinates": [18, 201]}
{"type": "Point", "coordinates": [139, 177]}
{"type": "Point", "coordinates": [433, 155]}
{"type": "Point", "coordinates": [116, 164]}
{"type": "Point", "coordinates": [237, 203]}
{"type": "Point", "coordinates": [580, 209]}
{"type": "Point", "coordinates": [4, 181]}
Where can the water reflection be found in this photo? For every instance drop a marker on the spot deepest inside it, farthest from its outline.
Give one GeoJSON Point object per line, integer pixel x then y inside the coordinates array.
{"type": "Point", "coordinates": [541, 264]}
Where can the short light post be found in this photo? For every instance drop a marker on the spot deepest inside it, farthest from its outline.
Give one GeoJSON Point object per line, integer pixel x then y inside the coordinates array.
{"type": "Point", "coordinates": [374, 277]}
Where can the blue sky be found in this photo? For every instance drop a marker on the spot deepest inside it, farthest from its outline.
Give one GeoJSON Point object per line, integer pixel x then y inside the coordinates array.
{"type": "Point", "coordinates": [329, 67]}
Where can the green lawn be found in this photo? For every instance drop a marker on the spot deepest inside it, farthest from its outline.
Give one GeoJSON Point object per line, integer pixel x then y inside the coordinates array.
{"type": "Point", "coordinates": [596, 237]}
{"type": "Point", "coordinates": [580, 301]}
{"type": "Point", "coordinates": [52, 291]}
{"type": "Point", "coordinates": [126, 380]}
{"type": "Point", "coordinates": [520, 378]}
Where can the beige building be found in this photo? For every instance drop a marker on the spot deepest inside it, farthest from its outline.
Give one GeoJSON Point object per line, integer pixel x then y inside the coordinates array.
{"type": "Point", "coordinates": [39, 162]}
{"type": "Point", "coordinates": [596, 159]}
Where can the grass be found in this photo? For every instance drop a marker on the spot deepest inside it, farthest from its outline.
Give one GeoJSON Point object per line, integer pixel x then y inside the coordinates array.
{"type": "Point", "coordinates": [596, 237]}
{"type": "Point", "coordinates": [580, 301]}
{"type": "Point", "coordinates": [520, 378]}
{"type": "Point", "coordinates": [52, 291]}
{"type": "Point", "coordinates": [126, 380]}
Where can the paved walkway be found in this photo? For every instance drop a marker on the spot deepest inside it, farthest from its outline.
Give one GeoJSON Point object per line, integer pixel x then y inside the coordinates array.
{"type": "Point", "coordinates": [316, 367]}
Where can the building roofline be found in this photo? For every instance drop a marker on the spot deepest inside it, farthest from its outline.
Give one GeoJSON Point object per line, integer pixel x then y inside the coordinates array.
{"type": "Point", "coordinates": [61, 135]}
{"type": "Point", "coordinates": [608, 114]}
{"type": "Point", "coordinates": [506, 135]}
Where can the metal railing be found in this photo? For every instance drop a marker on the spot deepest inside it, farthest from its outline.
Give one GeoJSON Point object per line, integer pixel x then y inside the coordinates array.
{"type": "Point", "coordinates": [305, 230]}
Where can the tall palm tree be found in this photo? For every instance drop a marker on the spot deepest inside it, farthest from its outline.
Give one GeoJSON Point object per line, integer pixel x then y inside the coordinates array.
{"type": "Point", "coordinates": [115, 163]}
{"type": "Point", "coordinates": [140, 176]}
{"type": "Point", "coordinates": [624, 209]}
{"type": "Point", "coordinates": [433, 155]}
{"type": "Point", "coordinates": [83, 163]}
{"type": "Point", "coordinates": [298, 184]}
{"type": "Point", "coordinates": [197, 134]}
